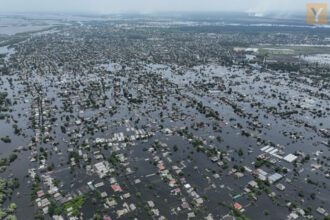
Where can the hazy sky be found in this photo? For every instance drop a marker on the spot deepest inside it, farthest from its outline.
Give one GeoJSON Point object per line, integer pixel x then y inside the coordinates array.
{"type": "Point", "coordinates": [108, 6]}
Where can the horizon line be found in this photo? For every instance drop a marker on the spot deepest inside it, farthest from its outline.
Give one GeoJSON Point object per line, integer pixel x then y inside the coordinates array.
{"type": "Point", "coordinates": [149, 12]}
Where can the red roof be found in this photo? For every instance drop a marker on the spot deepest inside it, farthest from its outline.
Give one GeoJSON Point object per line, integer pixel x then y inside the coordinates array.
{"type": "Point", "coordinates": [106, 217]}
{"type": "Point", "coordinates": [116, 188]}
{"type": "Point", "coordinates": [237, 206]}
{"type": "Point", "coordinates": [161, 167]}
{"type": "Point", "coordinates": [40, 193]}
{"type": "Point", "coordinates": [172, 182]}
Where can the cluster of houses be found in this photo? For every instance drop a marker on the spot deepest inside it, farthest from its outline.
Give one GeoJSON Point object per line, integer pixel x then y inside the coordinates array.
{"type": "Point", "coordinates": [127, 125]}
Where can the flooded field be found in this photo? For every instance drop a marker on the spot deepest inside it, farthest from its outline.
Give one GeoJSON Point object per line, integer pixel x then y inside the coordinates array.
{"type": "Point", "coordinates": [16, 25]}
{"type": "Point", "coordinates": [319, 58]}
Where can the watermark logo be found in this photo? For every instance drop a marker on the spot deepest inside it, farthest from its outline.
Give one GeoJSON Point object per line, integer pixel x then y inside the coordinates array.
{"type": "Point", "coordinates": [316, 13]}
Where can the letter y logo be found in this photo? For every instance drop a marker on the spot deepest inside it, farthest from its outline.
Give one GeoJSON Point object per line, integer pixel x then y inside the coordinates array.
{"type": "Point", "coordinates": [316, 13]}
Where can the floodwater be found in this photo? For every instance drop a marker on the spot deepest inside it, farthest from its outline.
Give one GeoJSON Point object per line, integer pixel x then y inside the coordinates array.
{"type": "Point", "coordinates": [177, 88]}
{"type": "Point", "coordinates": [318, 58]}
